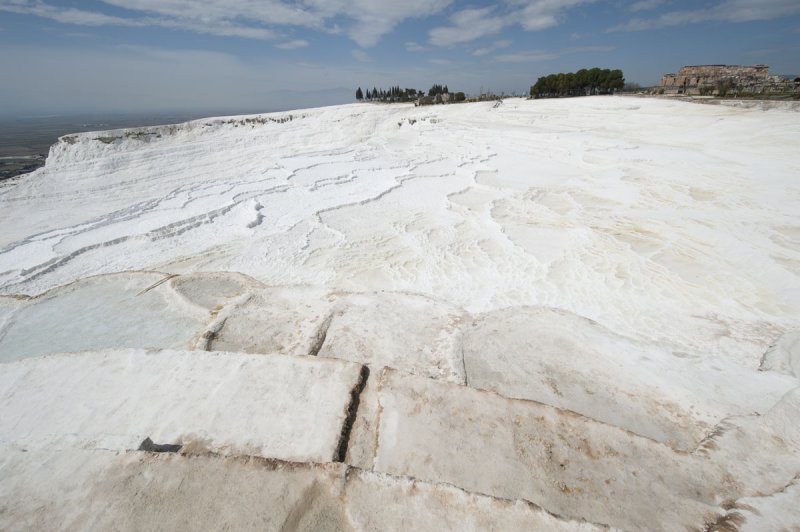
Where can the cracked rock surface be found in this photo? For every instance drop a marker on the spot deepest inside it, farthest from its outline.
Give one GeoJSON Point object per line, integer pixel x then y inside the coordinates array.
{"type": "Point", "coordinates": [545, 315]}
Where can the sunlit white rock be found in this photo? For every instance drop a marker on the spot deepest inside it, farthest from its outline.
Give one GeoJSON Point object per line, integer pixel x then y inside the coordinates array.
{"type": "Point", "coordinates": [589, 305]}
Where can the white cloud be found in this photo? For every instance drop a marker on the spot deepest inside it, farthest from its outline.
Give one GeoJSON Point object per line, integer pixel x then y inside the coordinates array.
{"type": "Point", "coordinates": [468, 25]}
{"type": "Point", "coordinates": [536, 56]}
{"type": "Point", "coordinates": [645, 5]}
{"type": "Point", "coordinates": [82, 17]}
{"type": "Point", "coordinates": [364, 21]}
{"type": "Point", "coordinates": [412, 46]}
{"type": "Point", "coordinates": [370, 19]}
{"type": "Point", "coordinates": [480, 52]}
{"type": "Point", "coordinates": [542, 14]}
{"type": "Point", "coordinates": [63, 15]}
{"type": "Point", "coordinates": [725, 11]}
{"type": "Point", "coordinates": [221, 28]}
{"type": "Point", "coordinates": [361, 56]}
{"type": "Point", "coordinates": [292, 45]}
{"type": "Point", "coordinates": [530, 56]}
{"type": "Point", "coordinates": [471, 24]}
{"type": "Point", "coordinates": [246, 12]}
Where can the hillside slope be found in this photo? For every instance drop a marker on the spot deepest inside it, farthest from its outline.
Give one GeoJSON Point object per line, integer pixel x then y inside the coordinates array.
{"type": "Point", "coordinates": [539, 314]}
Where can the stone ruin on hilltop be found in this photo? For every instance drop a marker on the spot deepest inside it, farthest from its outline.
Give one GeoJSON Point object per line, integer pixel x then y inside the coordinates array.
{"type": "Point", "coordinates": [719, 79]}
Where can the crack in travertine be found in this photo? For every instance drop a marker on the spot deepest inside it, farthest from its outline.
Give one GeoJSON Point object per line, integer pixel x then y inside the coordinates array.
{"type": "Point", "coordinates": [352, 410]}
{"type": "Point", "coordinates": [320, 335]}
{"type": "Point", "coordinates": [157, 283]}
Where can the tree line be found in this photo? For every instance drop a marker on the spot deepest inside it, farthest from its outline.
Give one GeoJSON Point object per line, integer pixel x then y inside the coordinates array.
{"type": "Point", "coordinates": [584, 82]}
{"type": "Point", "coordinates": [396, 94]}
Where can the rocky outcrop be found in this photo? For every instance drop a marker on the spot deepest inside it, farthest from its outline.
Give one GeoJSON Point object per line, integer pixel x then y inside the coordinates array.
{"type": "Point", "coordinates": [715, 79]}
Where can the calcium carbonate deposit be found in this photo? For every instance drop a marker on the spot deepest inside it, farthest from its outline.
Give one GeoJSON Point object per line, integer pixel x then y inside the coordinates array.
{"type": "Point", "coordinates": [536, 315]}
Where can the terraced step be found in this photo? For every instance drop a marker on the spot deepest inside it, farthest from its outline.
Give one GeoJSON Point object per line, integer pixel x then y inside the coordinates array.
{"type": "Point", "coordinates": [278, 406]}
{"type": "Point", "coordinates": [102, 490]}
{"type": "Point", "coordinates": [523, 404]}
{"type": "Point", "coordinates": [321, 410]}
{"type": "Point", "coordinates": [537, 353]}
{"type": "Point", "coordinates": [567, 463]}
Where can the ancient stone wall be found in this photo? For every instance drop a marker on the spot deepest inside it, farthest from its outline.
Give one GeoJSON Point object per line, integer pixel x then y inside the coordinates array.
{"type": "Point", "coordinates": [712, 79]}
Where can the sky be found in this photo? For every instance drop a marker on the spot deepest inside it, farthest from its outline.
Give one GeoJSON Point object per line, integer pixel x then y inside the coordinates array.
{"type": "Point", "coordinates": [61, 56]}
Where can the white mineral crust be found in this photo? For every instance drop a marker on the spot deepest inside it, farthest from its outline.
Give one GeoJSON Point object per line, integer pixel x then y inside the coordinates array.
{"type": "Point", "coordinates": [550, 314]}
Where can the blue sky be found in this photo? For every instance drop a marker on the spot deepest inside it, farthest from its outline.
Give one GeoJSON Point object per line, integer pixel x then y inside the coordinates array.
{"type": "Point", "coordinates": [250, 55]}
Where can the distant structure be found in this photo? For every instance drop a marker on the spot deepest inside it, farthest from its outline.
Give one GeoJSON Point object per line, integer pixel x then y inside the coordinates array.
{"type": "Point", "coordinates": [721, 79]}
{"type": "Point", "coordinates": [441, 97]}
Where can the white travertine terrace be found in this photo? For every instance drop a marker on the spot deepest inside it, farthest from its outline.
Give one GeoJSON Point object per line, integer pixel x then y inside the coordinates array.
{"type": "Point", "coordinates": [565, 314]}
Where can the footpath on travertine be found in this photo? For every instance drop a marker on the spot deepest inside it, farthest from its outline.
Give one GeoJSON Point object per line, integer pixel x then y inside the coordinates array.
{"type": "Point", "coordinates": [244, 406]}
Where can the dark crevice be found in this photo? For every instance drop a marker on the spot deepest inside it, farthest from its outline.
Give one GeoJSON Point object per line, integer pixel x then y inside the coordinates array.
{"type": "Point", "coordinates": [208, 337]}
{"type": "Point", "coordinates": [320, 336]}
{"type": "Point", "coordinates": [352, 409]}
{"type": "Point", "coordinates": [464, 364]}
